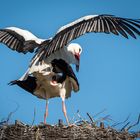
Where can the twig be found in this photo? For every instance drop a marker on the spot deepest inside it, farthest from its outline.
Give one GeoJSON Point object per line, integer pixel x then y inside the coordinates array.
{"type": "Point", "coordinates": [60, 123]}
{"type": "Point", "coordinates": [107, 118]}
{"type": "Point", "coordinates": [114, 125]}
{"type": "Point", "coordinates": [104, 118]}
{"type": "Point", "coordinates": [134, 123]}
{"type": "Point", "coordinates": [99, 113]}
{"type": "Point", "coordinates": [11, 113]}
{"type": "Point", "coordinates": [74, 116]}
{"type": "Point", "coordinates": [81, 117]}
{"type": "Point", "coordinates": [34, 117]}
{"type": "Point", "coordinates": [19, 123]}
{"type": "Point", "coordinates": [2, 122]}
{"type": "Point", "coordinates": [91, 119]}
{"type": "Point", "coordinates": [125, 126]}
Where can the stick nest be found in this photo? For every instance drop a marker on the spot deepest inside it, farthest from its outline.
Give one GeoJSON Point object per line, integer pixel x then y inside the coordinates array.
{"type": "Point", "coordinates": [81, 131]}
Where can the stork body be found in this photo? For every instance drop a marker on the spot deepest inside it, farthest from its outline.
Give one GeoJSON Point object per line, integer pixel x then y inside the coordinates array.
{"type": "Point", "coordinates": [51, 54]}
{"type": "Point", "coordinates": [57, 80]}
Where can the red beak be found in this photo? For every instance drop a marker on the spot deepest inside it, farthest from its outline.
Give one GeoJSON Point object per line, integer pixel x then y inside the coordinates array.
{"type": "Point", "coordinates": [77, 56]}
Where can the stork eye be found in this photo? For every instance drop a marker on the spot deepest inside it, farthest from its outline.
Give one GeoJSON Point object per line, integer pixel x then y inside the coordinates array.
{"type": "Point", "coordinates": [80, 50]}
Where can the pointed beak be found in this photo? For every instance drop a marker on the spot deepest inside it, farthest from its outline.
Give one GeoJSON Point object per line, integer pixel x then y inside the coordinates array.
{"type": "Point", "coordinates": [77, 68]}
{"type": "Point", "coordinates": [77, 56]}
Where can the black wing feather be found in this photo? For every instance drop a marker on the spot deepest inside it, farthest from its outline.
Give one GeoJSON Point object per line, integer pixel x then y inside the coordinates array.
{"type": "Point", "coordinates": [98, 24]}
{"type": "Point", "coordinates": [29, 84]}
{"type": "Point", "coordinates": [65, 68]}
{"type": "Point", "coordinates": [11, 39]}
{"type": "Point", "coordinates": [131, 27]}
{"type": "Point", "coordinates": [16, 41]}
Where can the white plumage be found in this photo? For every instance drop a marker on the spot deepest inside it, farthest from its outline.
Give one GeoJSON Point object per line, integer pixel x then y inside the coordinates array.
{"type": "Point", "coordinates": [85, 18]}
{"type": "Point", "coordinates": [26, 34]}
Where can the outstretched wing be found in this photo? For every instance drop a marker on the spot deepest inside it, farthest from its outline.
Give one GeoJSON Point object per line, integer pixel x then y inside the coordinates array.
{"type": "Point", "coordinates": [93, 23]}
{"type": "Point", "coordinates": [19, 40]}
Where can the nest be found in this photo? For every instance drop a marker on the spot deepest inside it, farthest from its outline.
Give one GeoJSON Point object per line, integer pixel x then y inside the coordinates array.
{"type": "Point", "coordinates": [81, 131]}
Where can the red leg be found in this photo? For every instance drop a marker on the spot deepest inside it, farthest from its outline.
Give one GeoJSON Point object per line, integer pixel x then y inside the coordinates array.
{"type": "Point", "coordinates": [46, 112]}
{"type": "Point", "coordinates": [65, 111]}
{"type": "Point", "coordinates": [63, 95]}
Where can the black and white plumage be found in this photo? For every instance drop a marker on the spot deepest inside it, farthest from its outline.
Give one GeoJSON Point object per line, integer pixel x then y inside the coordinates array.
{"type": "Point", "coordinates": [49, 53]}
{"type": "Point", "coordinates": [19, 40]}
{"type": "Point", "coordinates": [60, 72]}
{"type": "Point", "coordinates": [92, 23]}
{"type": "Point", "coordinates": [57, 81]}
{"type": "Point", "coordinates": [24, 41]}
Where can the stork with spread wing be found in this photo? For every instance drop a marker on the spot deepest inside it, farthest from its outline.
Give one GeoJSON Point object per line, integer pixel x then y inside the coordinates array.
{"type": "Point", "coordinates": [50, 74]}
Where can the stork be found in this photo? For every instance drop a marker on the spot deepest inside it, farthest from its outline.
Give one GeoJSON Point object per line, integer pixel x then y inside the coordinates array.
{"type": "Point", "coordinates": [46, 69]}
{"type": "Point", "coordinates": [58, 80]}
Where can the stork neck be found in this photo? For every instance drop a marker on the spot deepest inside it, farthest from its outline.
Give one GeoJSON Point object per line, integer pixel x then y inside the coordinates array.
{"type": "Point", "coordinates": [70, 56]}
{"type": "Point", "coordinates": [62, 54]}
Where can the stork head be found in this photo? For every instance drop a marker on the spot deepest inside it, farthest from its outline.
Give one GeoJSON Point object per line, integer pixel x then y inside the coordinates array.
{"type": "Point", "coordinates": [75, 49]}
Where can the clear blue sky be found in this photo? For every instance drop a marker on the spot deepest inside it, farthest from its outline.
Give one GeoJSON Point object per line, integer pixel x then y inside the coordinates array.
{"type": "Point", "coordinates": [109, 74]}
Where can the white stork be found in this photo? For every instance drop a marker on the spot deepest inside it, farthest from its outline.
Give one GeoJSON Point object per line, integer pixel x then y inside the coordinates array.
{"type": "Point", "coordinates": [58, 48]}
{"type": "Point", "coordinates": [58, 80]}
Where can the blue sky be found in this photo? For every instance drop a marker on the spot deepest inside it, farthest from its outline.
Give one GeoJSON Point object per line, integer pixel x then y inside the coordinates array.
{"type": "Point", "coordinates": [109, 74]}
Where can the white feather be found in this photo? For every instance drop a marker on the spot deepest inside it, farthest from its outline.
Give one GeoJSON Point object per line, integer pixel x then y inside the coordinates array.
{"type": "Point", "coordinates": [66, 53]}
{"type": "Point", "coordinates": [26, 34]}
{"type": "Point", "coordinates": [76, 21]}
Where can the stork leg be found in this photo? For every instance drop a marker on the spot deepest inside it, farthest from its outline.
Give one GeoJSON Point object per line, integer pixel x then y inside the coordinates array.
{"type": "Point", "coordinates": [65, 111]}
{"type": "Point", "coordinates": [62, 95]}
{"type": "Point", "coordinates": [46, 112]}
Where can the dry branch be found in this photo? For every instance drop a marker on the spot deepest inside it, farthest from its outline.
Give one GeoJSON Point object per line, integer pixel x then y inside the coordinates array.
{"type": "Point", "coordinates": [119, 123]}
{"type": "Point", "coordinates": [6, 121]}
{"type": "Point", "coordinates": [134, 123]}
{"type": "Point", "coordinates": [34, 116]}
